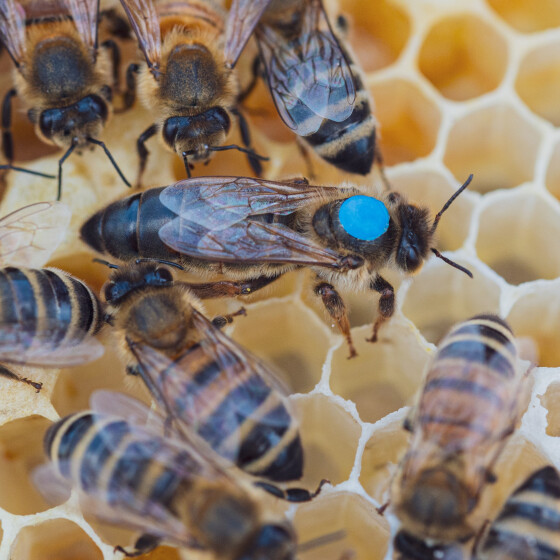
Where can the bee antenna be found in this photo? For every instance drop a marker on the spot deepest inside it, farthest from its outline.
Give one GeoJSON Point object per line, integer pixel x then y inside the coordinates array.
{"type": "Point", "coordinates": [160, 261]}
{"type": "Point", "coordinates": [321, 541]}
{"type": "Point", "coordinates": [111, 159]}
{"type": "Point", "coordinates": [106, 263]}
{"type": "Point", "coordinates": [30, 171]}
{"type": "Point", "coordinates": [187, 166]}
{"type": "Point", "coordinates": [452, 263]}
{"type": "Point", "coordinates": [450, 201]}
{"type": "Point", "coordinates": [236, 147]}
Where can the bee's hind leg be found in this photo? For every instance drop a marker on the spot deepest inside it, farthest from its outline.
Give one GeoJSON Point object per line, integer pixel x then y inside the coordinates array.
{"type": "Point", "coordinates": [386, 303]}
{"type": "Point", "coordinates": [11, 375]}
{"type": "Point", "coordinates": [145, 543]}
{"type": "Point", "coordinates": [227, 288]}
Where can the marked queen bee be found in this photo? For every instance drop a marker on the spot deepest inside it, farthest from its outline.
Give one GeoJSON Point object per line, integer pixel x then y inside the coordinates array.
{"type": "Point", "coordinates": [252, 231]}
{"type": "Point", "coordinates": [61, 73]}
{"type": "Point", "coordinates": [469, 405]}
{"type": "Point", "coordinates": [204, 381]}
{"type": "Point", "coordinates": [170, 490]}
{"type": "Point", "coordinates": [317, 89]}
{"type": "Point", "coordinates": [185, 82]}
{"type": "Point", "coordinates": [47, 317]}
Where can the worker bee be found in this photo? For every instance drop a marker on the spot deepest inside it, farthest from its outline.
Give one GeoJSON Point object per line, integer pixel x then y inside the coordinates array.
{"type": "Point", "coordinates": [185, 82]}
{"type": "Point", "coordinates": [468, 407]}
{"type": "Point", "coordinates": [170, 490]}
{"type": "Point", "coordinates": [203, 380]}
{"type": "Point", "coordinates": [61, 73]}
{"type": "Point", "coordinates": [317, 88]}
{"type": "Point", "coordinates": [528, 526]}
{"type": "Point", "coordinates": [252, 231]}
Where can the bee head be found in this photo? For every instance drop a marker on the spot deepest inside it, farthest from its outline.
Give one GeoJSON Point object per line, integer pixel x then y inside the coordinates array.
{"type": "Point", "coordinates": [138, 276]}
{"type": "Point", "coordinates": [74, 123]}
{"type": "Point", "coordinates": [271, 542]}
{"type": "Point", "coordinates": [416, 237]}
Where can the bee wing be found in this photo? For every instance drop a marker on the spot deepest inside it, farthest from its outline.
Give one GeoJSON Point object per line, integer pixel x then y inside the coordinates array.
{"type": "Point", "coordinates": [12, 29]}
{"type": "Point", "coordinates": [243, 17]}
{"type": "Point", "coordinates": [20, 345]}
{"type": "Point", "coordinates": [85, 14]}
{"type": "Point", "coordinates": [310, 78]}
{"type": "Point", "coordinates": [144, 20]}
{"type": "Point", "coordinates": [31, 234]}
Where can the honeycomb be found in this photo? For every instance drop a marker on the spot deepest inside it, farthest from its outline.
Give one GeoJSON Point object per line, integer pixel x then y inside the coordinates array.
{"type": "Point", "coordinates": [460, 86]}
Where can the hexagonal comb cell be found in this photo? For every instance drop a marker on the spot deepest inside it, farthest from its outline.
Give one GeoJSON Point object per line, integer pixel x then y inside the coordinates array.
{"type": "Point", "coordinates": [285, 327]}
{"type": "Point", "coordinates": [366, 532]}
{"type": "Point", "coordinates": [409, 120]}
{"type": "Point", "coordinates": [497, 144]}
{"type": "Point", "coordinates": [536, 314]}
{"type": "Point", "coordinates": [325, 426]}
{"type": "Point", "coordinates": [514, 237]}
{"type": "Point", "coordinates": [385, 375]}
{"type": "Point", "coordinates": [21, 450]}
{"type": "Point", "coordinates": [378, 32]}
{"type": "Point", "coordinates": [57, 539]}
{"type": "Point", "coordinates": [451, 57]}
{"type": "Point", "coordinates": [550, 401]}
{"type": "Point", "coordinates": [456, 298]}
{"type": "Point", "coordinates": [522, 15]}
{"type": "Point", "coordinates": [538, 81]}
{"type": "Point", "coordinates": [432, 189]}
{"type": "Point", "coordinates": [553, 172]}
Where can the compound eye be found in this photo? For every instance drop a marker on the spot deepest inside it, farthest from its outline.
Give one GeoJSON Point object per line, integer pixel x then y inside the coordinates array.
{"type": "Point", "coordinates": [163, 276]}
{"type": "Point", "coordinates": [413, 260]}
{"type": "Point", "coordinates": [110, 291]}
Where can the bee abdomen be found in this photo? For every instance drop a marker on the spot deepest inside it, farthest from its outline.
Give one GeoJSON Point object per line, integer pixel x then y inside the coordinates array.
{"type": "Point", "coordinates": [49, 305]}
{"type": "Point", "coordinates": [128, 229]}
{"type": "Point", "coordinates": [350, 144]}
{"type": "Point", "coordinates": [529, 524]}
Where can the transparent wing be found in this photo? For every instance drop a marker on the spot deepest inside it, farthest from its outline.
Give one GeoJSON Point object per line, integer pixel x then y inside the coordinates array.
{"type": "Point", "coordinates": [310, 77]}
{"type": "Point", "coordinates": [218, 202]}
{"type": "Point", "coordinates": [20, 345]}
{"type": "Point", "coordinates": [85, 15]}
{"type": "Point", "coordinates": [244, 15]}
{"type": "Point", "coordinates": [216, 375]}
{"type": "Point", "coordinates": [30, 235]}
{"type": "Point", "coordinates": [12, 29]}
{"type": "Point", "coordinates": [145, 22]}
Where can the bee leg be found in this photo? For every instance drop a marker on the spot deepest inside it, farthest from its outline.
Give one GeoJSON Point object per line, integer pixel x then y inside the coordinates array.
{"type": "Point", "coordinates": [386, 303]}
{"type": "Point", "coordinates": [381, 509]}
{"type": "Point", "coordinates": [129, 95]}
{"type": "Point", "coordinates": [143, 152]}
{"type": "Point", "coordinates": [7, 137]}
{"type": "Point", "coordinates": [334, 304]}
{"type": "Point", "coordinates": [292, 494]}
{"type": "Point", "coordinates": [255, 164]}
{"type": "Point", "coordinates": [143, 545]}
{"type": "Point", "coordinates": [222, 320]}
{"type": "Point", "coordinates": [11, 375]}
{"type": "Point", "coordinates": [378, 156]}
{"type": "Point", "coordinates": [229, 289]}
{"type": "Point", "coordinates": [115, 54]}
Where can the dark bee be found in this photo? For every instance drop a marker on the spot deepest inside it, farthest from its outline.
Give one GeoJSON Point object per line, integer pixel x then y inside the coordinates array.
{"type": "Point", "coordinates": [528, 526]}
{"type": "Point", "coordinates": [317, 89]}
{"type": "Point", "coordinates": [169, 490]}
{"type": "Point", "coordinates": [201, 378]}
{"type": "Point", "coordinates": [185, 82]}
{"type": "Point", "coordinates": [468, 407]}
{"type": "Point", "coordinates": [252, 231]}
{"type": "Point", "coordinates": [60, 72]}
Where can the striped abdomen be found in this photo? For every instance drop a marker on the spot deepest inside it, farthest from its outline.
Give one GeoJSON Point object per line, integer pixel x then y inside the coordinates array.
{"type": "Point", "coordinates": [48, 306]}
{"type": "Point", "coordinates": [103, 457]}
{"type": "Point", "coordinates": [128, 229]}
{"type": "Point", "coordinates": [238, 414]}
{"type": "Point", "coordinates": [350, 144]}
{"type": "Point", "coordinates": [528, 527]}
{"type": "Point", "coordinates": [470, 391]}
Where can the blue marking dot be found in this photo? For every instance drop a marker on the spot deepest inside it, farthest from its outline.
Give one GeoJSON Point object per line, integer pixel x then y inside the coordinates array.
{"type": "Point", "coordinates": [364, 217]}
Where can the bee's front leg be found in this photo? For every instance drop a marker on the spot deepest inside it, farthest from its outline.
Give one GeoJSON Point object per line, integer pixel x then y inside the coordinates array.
{"type": "Point", "coordinates": [145, 543]}
{"type": "Point", "coordinates": [336, 308]}
{"type": "Point", "coordinates": [386, 303]}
